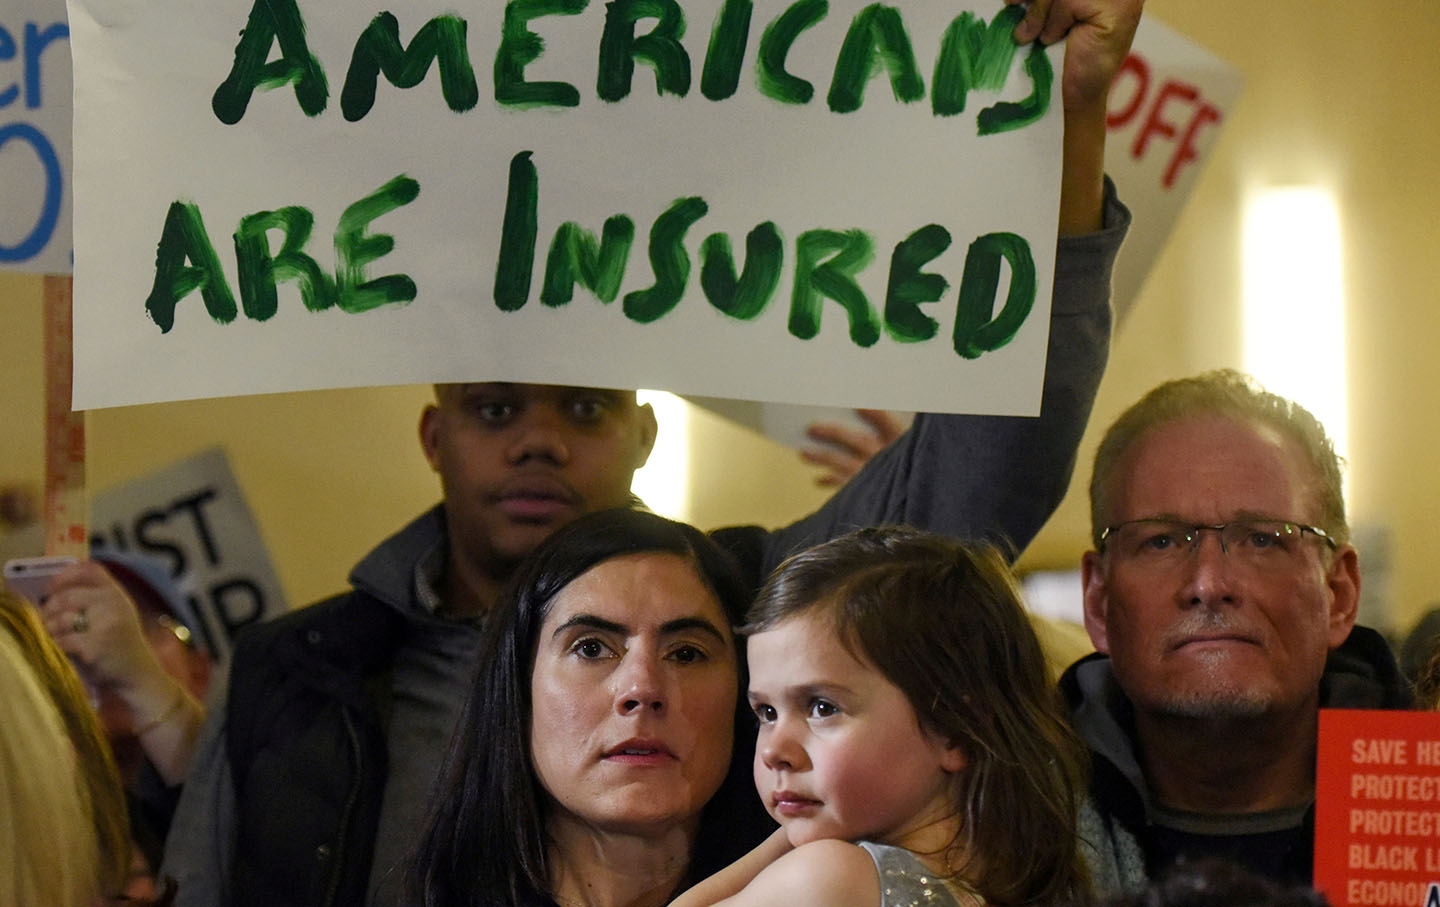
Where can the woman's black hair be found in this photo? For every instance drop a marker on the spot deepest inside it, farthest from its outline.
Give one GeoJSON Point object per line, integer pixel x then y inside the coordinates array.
{"type": "Point", "coordinates": [484, 840]}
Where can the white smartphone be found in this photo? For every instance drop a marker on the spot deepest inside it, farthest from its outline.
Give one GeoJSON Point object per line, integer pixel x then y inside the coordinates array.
{"type": "Point", "coordinates": [30, 576]}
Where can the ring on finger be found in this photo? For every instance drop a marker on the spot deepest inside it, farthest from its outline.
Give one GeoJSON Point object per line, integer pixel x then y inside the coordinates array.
{"type": "Point", "coordinates": [80, 622]}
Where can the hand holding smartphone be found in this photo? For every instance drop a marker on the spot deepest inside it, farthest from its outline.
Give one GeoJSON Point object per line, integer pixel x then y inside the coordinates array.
{"type": "Point", "coordinates": [30, 577]}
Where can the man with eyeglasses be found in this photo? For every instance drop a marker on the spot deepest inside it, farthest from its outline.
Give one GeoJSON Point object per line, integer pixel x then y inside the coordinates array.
{"type": "Point", "coordinates": [1221, 597]}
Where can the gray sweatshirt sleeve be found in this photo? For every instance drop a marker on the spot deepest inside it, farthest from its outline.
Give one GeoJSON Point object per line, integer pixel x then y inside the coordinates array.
{"type": "Point", "coordinates": [201, 843]}
{"type": "Point", "coordinates": [991, 477]}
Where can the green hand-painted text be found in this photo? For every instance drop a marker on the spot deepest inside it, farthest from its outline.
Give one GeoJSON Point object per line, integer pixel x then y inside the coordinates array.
{"type": "Point", "coordinates": [971, 55]}
{"type": "Point", "coordinates": [186, 261]}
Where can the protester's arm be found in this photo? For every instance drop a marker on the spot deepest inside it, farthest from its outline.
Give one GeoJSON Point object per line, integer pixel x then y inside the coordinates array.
{"type": "Point", "coordinates": [1098, 35]}
{"type": "Point", "coordinates": [1000, 477]}
{"type": "Point", "coordinates": [994, 477]}
{"type": "Point", "coordinates": [201, 844]}
{"type": "Point", "coordinates": [97, 624]}
{"type": "Point", "coordinates": [1106, 40]}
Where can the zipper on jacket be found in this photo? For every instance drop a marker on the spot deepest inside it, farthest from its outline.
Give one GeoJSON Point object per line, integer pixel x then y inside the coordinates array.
{"type": "Point", "coordinates": [349, 810]}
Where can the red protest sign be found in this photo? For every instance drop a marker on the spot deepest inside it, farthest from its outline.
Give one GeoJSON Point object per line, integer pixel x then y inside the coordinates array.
{"type": "Point", "coordinates": [1377, 808]}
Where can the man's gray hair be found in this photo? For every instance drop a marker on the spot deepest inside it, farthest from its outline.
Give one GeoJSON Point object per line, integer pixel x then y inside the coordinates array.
{"type": "Point", "coordinates": [1230, 394]}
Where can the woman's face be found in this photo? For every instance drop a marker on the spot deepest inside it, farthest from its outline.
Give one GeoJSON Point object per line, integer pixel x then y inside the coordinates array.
{"type": "Point", "coordinates": [633, 696]}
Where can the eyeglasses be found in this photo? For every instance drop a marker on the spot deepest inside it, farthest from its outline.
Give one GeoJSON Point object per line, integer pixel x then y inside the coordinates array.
{"type": "Point", "coordinates": [1167, 543]}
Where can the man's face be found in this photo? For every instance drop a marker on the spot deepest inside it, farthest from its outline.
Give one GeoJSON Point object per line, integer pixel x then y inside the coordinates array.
{"type": "Point", "coordinates": [518, 461]}
{"type": "Point", "coordinates": [1209, 634]}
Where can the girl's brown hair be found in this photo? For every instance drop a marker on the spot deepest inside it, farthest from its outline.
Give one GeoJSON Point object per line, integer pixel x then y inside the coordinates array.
{"type": "Point", "coordinates": [944, 623]}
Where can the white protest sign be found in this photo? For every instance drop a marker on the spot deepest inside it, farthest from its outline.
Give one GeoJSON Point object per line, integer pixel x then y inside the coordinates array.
{"type": "Point", "coordinates": [1167, 107]}
{"type": "Point", "coordinates": [193, 517]}
{"type": "Point", "coordinates": [34, 137]}
{"type": "Point", "coordinates": [836, 203]}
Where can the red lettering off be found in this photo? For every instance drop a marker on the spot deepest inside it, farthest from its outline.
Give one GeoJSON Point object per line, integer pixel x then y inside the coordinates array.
{"type": "Point", "coordinates": [1158, 120]}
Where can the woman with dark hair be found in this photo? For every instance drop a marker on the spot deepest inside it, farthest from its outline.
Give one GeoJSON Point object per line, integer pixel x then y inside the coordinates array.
{"type": "Point", "coordinates": [599, 728]}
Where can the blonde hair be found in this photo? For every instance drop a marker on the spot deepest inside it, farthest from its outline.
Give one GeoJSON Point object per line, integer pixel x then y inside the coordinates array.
{"type": "Point", "coordinates": [49, 851]}
{"type": "Point", "coordinates": [80, 754]}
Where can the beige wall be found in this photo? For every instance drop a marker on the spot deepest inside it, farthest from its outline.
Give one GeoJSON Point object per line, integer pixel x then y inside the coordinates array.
{"type": "Point", "coordinates": [1335, 93]}
{"type": "Point", "coordinates": [1339, 94]}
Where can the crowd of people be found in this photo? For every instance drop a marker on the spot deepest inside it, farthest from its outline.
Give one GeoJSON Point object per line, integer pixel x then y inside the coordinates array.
{"type": "Point", "coordinates": [540, 693]}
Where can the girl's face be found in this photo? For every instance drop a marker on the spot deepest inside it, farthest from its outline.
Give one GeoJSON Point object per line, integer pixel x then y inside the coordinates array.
{"type": "Point", "coordinates": [841, 753]}
{"type": "Point", "coordinates": [633, 696]}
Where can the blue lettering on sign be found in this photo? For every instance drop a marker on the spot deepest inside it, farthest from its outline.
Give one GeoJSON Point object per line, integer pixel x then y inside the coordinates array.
{"type": "Point", "coordinates": [35, 43]}
{"type": "Point", "coordinates": [31, 245]}
{"type": "Point", "coordinates": [7, 52]}
{"type": "Point", "coordinates": [31, 48]}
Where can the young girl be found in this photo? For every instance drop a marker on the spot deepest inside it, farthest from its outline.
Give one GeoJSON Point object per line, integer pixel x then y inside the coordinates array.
{"type": "Point", "coordinates": [911, 744]}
